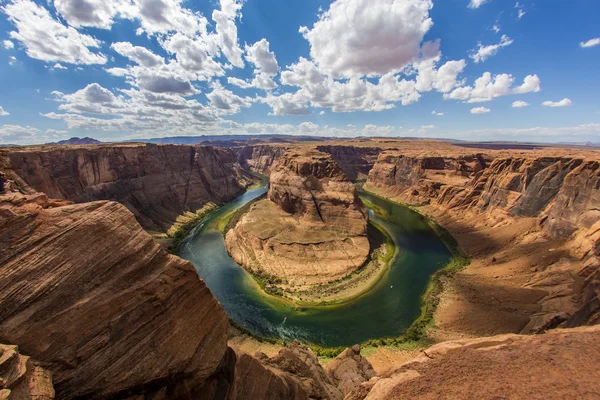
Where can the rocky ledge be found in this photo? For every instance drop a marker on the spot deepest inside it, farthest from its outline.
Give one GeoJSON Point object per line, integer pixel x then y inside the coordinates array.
{"type": "Point", "coordinates": [311, 229]}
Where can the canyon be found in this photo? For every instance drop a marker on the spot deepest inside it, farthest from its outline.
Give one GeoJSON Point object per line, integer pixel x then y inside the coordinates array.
{"type": "Point", "coordinates": [311, 229]}
{"type": "Point", "coordinates": [108, 313]}
{"type": "Point", "coordinates": [157, 183]}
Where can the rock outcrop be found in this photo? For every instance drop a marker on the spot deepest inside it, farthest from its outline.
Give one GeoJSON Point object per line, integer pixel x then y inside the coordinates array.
{"type": "Point", "coordinates": [22, 378]}
{"type": "Point", "coordinates": [349, 369]}
{"type": "Point", "coordinates": [311, 229]}
{"type": "Point", "coordinates": [558, 365]}
{"type": "Point", "coordinates": [85, 290]}
{"type": "Point", "coordinates": [155, 182]}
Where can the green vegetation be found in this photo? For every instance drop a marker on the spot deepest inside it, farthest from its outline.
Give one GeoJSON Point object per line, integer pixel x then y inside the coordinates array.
{"type": "Point", "coordinates": [186, 222]}
{"type": "Point", "coordinates": [229, 220]}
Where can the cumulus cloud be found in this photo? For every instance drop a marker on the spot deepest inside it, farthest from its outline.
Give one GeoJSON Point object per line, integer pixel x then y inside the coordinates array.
{"type": "Point", "coordinates": [47, 39]}
{"type": "Point", "coordinates": [476, 3]}
{"type": "Point", "coordinates": [3, 113]}
{"type": "Point", "coordinates": [137, 54]}
{"type": "Point", "coordinates": [17, 134]}
{"type": "Point", "coordinates": [92, 13]}
{"type": "Point", "coordinates": [12, 60]}
{"type": "Point", "coordinates": [368, 37]}
{"type": "Point", "coordinates": [590, 43]}
{"type": "Point", "coordinates": [266, 67]}
{"type": "Point", "coordinates": [480, 110]}
{"type": "Point", "coordinates": [563, 103]}
{"type": "Point", "coordinates": [225, 101]}
{"type": "Point", "coordinates": [520, 104]}
{"type": "Point", "coordinates": [489, 87]}
{"type": "Point", "coordinates": [439, 114]}
{"type": "Point", "coordinates": [227, 37]}
{"type": "Point", "coordinates": [482, 53]}
{"type": "Point", "coordinates": [8, 45]}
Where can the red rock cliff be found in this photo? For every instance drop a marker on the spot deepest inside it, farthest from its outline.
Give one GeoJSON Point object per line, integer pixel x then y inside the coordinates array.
{"type": "Point", "coordinates": [155, 182]}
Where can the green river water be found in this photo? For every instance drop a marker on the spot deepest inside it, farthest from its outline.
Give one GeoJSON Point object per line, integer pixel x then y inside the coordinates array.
{"type": "Point", "coordinates": [386, 310]}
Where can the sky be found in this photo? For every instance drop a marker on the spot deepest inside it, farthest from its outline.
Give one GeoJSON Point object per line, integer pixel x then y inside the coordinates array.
{"type": "Point", "coordinates": [464, 69]}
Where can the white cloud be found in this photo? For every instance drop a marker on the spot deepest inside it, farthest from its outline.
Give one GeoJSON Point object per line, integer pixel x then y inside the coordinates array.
{"type": "Point", "coordinates": [480, 110]}
{"type": "Point", "coordinates": [429, 77]}
{"type": "Point", "coordinates": [563, 103]}
{"type": "Point", "coordinates": [3, 113]}
{"type": "Point", "coordinates": [496, 28]}
{"type": "Point", "coordinates": [439, 114]}
{"type": "Point", "coordinates": [322, 113]}
{"type": "Point", "coordinates": [368, 37]}
{"type": "Point", "coordinates": [225, 101]}
{"type": "Point", "coordinates": [47, 39]}
{"type": "Point", "coordinates": [8, 45]}
{"type": "Point", "coordinates": [12, 60]}
{"type": "Point", "coordinates": [194, 54]}
{"type": "Point", "coordinates": [227, 37]}
{"type": "Point", "coordinates": [163, 16]}
{"type": "Point", "coordinates": [16, 134]}
{"type": "Point", "coordinates": [93, 13]}
{"type": "Point", "coordinates": [137, 54]}
{"type": "Point", "coordinates": [482, 53]}
{"type": "Point", "coordinates": [520, 12]}
{"type": "Point", "coordinates": [590, 43]}
{"type": "Point", "coordinates": [476, 3]}
{"type": "Point", "coordinates": [266, 65]}
{"type": "Point", "coordinates": [488, 87]}
{"type": "Point", "coordinates": [520, 104]}
{"type": "Point", "coordinates": [58, 66]}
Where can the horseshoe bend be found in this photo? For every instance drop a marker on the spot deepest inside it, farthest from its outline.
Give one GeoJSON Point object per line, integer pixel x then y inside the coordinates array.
{"type": "Point", "coordinates": [100, 309]}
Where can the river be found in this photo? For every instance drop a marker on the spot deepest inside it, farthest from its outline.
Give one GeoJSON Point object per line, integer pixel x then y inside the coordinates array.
{"type": "Point", "coordinates": [384, 311]}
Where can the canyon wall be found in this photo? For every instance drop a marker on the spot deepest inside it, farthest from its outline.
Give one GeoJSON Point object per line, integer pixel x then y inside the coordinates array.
{"type": "Point", "coordinates": [311, 229]}
{"type": "Point", "coordinates": [355, 161]}
{"type": "Point", "coordinates": [110, 314]}
{"type": "Point", "coordinates": [155, 182]}
{"type": "Point", "coordinates": [561, 193]}
{"type": "Point", "coordinates": [259, 158]}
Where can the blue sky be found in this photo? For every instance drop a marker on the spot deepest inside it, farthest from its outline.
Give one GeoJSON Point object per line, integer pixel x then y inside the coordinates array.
{"type": "Point", "coordinates": [466, 69]}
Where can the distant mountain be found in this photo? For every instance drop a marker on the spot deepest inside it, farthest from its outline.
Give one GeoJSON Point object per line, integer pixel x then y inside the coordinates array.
{"type": "Point", "coordinates": [76, 140]}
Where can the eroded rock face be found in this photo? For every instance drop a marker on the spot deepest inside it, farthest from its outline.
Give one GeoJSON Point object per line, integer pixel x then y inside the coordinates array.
{"type": "Point", "coordinates": [349, 369]}
{"type": "Point", "coordinates": [85, 290]}
{"type": "Point", "coordinates": [355, 161]}
{"type": "Point", "coordinates": [259, 158]}
{"type": "Point", "coordinates": [21, 378]}
{"type": "Point", "coordinates": [312, 228]}
{"type": "Point", "coordinates": [155, 182]}
{"type": "Point", "coordinates": [565, 360]}
{"type": "Point", "coordinates": [562, 193]}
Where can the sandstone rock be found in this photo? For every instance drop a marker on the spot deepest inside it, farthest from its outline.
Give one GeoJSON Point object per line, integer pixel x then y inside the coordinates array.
{"type": "Point", "coordinates": [298, 360]}
{"type": "Point", "coordinates": [312, 228]}
{"type": "Point", "coordinates": [515, 366]}
{"type": "Point", "coordinates": [355, 161]}
{"type": "Point", "coordinates": [87, 292]}
{"type": "Point", "coordinates": [155, 182]}
{"type": "Point", "coordinates": [259, 158]}
{"type": "Point", "coordinates": [22, 378]}
{"type": "Point", "coordinates": [350, 369]}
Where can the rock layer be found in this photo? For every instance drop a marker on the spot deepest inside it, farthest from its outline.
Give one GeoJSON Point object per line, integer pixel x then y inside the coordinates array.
{"type": "Point", "coordinates": [312, 228]}
{"type": "Point", "coordinates": [561, 193]}
{"type": "Point", "coordinates": [155, 182]}
{"type": "Point", "coordinates": [87, 292]}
